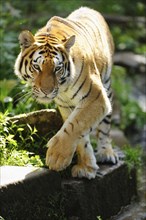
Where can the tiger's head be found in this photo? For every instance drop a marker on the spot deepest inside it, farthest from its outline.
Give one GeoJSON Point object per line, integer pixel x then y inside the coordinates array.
{"type": "Point", "coordinates": [44, 62]}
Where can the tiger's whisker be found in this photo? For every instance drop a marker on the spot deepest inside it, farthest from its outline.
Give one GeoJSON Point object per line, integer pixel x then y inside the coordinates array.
{"type": "Point", "coordinates": [26, 95]}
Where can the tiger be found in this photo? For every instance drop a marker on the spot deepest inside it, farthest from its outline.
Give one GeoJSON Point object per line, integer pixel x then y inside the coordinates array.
{"type": "Point", "coordinates": [69, 60]}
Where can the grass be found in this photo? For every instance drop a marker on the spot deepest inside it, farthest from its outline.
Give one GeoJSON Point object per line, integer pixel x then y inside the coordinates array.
{"type": "Point", "coordinates": [133, 156]}
{"type": "Point", "coordinates": [13, 150]}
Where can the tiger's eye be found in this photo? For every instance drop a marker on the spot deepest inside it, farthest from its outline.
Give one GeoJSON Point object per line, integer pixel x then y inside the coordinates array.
{"type": "Point", "coordinates": [36, 66]}
{"type": "Point", "coordinates": [58, 68]}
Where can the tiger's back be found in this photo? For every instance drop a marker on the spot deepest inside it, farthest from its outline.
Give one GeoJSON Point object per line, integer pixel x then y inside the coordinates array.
{"type": "Point", "coordinates": [69, 60]}
{"type": "Point", "coordinates": [93, 38]}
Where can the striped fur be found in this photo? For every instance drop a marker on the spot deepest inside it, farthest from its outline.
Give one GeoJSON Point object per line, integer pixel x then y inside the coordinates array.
{"type": "Point", "coordinates": [70, 60]}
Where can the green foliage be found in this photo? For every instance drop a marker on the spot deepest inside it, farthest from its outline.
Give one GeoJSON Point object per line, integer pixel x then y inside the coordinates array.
{"type": "Point", "coordinates": [12, 150]}
{"type": "Point", "coordinates": [132, 115]}
{"type": "Point", "coordinates": [131, 112]}
{"type": "Point", "coordinates": [133, 156]}
{"type": "Point", "coordinates": [124, 40]}
{"type": "Point", "coordinates": [9, 45]}
{"type": "Point", "coordinates": [6, 100]}
{"type": "Point", "coordinates": [16, 98]}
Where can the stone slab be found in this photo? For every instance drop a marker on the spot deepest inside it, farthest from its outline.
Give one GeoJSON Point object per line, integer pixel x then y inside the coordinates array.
{"type": "Point", "coordinates": [28, 193]}
{"type": "Point", "coordinates": [45, 121]}
{"type": "Point", "coordinates": [39, 194]}
{"type": "Point", "coordinates": [113, 188]}
{"type": "Point", "coordinates": [14, 174]}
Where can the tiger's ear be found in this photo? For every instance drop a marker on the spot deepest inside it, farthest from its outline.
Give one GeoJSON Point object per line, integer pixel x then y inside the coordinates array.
{"type": "Point", "coordinates": [26, 39]}
{"type": "Point", "coordinates": [69, 42]}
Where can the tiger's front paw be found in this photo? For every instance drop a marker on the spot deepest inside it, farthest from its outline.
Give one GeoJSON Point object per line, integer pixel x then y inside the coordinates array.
{"type": "Point", "coordinates": [59, 155]}
{"type": "Point", "coordinates": [107, 155]}
{"type": "Point", "coordinates": [84, 171]}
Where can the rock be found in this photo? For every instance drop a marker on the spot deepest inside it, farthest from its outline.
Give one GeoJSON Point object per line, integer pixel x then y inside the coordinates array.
{"type": "Point", "coordinates": [42, 194]}
{"type": "Point", "coordinates": [130, 60]}
{"type": "Point", "coordinates": [45, 121]}
{"type": "Point", "coordinates": [118, 138]}
{"type": "Point", "coordinates": [124, 20]}
{"type": "Point", "coordinates": [104, 196]}
{"type": "Point", "coordinates": [29, 195]}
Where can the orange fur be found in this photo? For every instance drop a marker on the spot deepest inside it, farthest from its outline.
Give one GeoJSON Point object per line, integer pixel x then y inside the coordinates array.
{"type": "Point", "coordinates": [70, 60]}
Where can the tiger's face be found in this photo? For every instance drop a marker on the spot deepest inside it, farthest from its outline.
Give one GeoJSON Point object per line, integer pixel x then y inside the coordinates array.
{"type": "Point", "coordinates": [44, 62]}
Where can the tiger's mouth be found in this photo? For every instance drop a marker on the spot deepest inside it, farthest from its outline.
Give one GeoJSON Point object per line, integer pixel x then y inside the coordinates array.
{"type": "Point", "coordinates": [45, 98]}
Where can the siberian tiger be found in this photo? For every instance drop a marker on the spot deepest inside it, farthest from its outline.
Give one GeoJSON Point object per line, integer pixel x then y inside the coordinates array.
{"type": "Point", "coordinates": [69, 60]}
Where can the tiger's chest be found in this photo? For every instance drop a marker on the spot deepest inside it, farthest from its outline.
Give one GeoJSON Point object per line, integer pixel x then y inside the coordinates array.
{"type": "Point", "coordinates": [66, 99]}
{"type": "Point", "coordinates": [66, 102]}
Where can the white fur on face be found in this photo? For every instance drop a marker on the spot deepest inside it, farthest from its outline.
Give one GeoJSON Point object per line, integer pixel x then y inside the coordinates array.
{"type": "Point", "coordinates": [38, 58]}
{"type": "Point", "coordinates": [57, 59]}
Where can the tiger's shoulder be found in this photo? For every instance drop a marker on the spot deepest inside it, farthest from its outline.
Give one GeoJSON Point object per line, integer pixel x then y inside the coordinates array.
{"type": "Point", "coordinates": [93, 37]}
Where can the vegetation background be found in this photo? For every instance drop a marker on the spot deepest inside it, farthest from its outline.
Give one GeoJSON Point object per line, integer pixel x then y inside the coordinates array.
{"type": "Point", "coordinates": [17, 15]}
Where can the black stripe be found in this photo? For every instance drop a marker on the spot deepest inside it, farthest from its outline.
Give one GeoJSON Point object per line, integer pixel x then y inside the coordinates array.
{"type": "Point", "coordinates": [75, 94]}
{"type": "Point", "coordinates": [105, 120]}
{"type": "Point", "coordinates": [63, 34]}
{"type": "Point", "coordinates": [68, 106]}
{"type": "Point", "coordinates": [41, 52]}
{"type": "Point", "coordinates": [26, 62]}
{"type": "Point", "coordinates": [97, 97]}
{"type": "Point", "coordinates": [104, 71]}
{"type": "Point", "coordinates": [110, 95]}
{"type": "Point", "coordinates": [60, 99]}
{"type": "Point", "coordinates": [63, 56]}
{"type": "Point", "coordinates": [107, 80]}
{"type": "Point", "coordinates": [94, 33]}
{"type": "Point", "coordinates": [49, 46]}
{"type": "Point", "coordinates": [30, 56]}
{"type": "Point", "coordinates": [66, 131]}
{"type": "Point", "coordinates": [30, 69]}
{"type": "Point", "coordinates": [72, 125]}
{"type": "Point", "coordinates": [68, 68]}
{"type": "Point", "coordinates": [21, 64]}
{"type": "Point", "coordinates": [24, 77]}
{"type": "Point", "coordinates": [98, 28]}
{"type": "Point", "coordinates": [80, 72]}
{"type": "Point", "coordinates": [85, 96]}
{"type": "Point", "coordinates": [55, 53]}
{"type": "Point", "coordinates": [36, 59]}
{"type": "Point", "coordinates": [63, 21]}
{"type": "Point", "coordinates": [104, 133]}
{"type": "Point", "coordinates": [77, 121]}
{"type": "Point", "coordinates": [91, 129]}
{"type": "Point", "coordinates": [63, 80]}
{"type": "Point", "coordinates": [86, 145]}
{"type": "Point", "coordinates": [84, 31]}
{"type": "Point", "coordinates": [108, 116]}
{"type": "Point", "coordinates": [23, 57]}
{"type": "Point", "coordinates": [107, 87]}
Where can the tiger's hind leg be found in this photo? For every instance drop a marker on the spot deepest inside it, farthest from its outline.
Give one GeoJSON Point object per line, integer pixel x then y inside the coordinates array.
{"type": "Point", "coordinates": [86, 166]}
{"type": "Point", "coordinates": [105, 152]}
